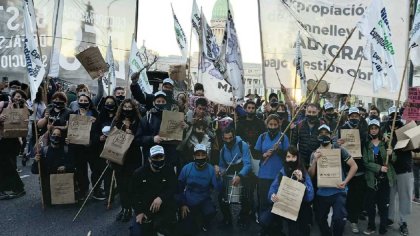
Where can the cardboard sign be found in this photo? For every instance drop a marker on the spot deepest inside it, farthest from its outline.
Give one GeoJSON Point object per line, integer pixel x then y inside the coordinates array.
{"type": "Point", "coordinates": [290, 196]}
{"type": "Point", "coordinates": [79, 129]}
{"type": "Point", "coordinates": [170, 127]}
{"type": "Point", "coordinates": [412, 111]}
{"type": "Point", "coordinates": [93, 62]}
{"type": "Point", "coordinates": [408, 137]}
{"type": "Point", "coordinates": [62, 188]}
{"type": "Point", "coordinates": [16, 123]}
{"type": "Point", "coordinates": [116, 146]}
{"type": "Point", "coordinates": [352, 142]}
{"type": "Point", "coordinates": [178, 72]}
{"type": "Point", "coordinates": [329, 168]}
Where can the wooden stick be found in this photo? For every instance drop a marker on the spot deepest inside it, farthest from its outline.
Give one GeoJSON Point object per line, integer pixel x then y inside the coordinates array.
{"type": "Point", "coordinates": [39, 162]}
{"type": "Point", "coordinates": [110, 190]}
{"type": "Point", "coordinates": [275, 146]}
{"type": "Point", "coordinates": [397, 106]}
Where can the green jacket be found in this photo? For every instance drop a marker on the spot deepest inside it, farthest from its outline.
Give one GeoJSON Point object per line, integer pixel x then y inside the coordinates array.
{"type": "Point", "coordinates": [372, 168]}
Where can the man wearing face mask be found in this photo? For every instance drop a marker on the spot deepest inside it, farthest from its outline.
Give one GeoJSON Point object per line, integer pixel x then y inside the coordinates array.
{"type": "Point", "coordinates": [119, 94]}
{"type": "Point", "coordinates": [327, 197]}
{"type": "Point", "coordinates": [330, 116]}
{"type": "Point", "coordinates": [374, 113]}
{"type": "Point", "coordinates": [305, 133]}
{"type": "Point", "coordinates": [195, 185]}
{"type": "Point", "coordinates": [153, 188]}
{"type": "Point", "coordinates": [83, 89]}
{"type": "Point", "coordinates": [200, 112]}
{"type": "Point", "coordinates": [403, 184]}
{"type": "Point", "coordinates": [357, 185]}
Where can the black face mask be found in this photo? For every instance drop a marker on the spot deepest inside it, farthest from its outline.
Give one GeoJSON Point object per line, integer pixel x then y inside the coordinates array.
{"type": "Point", "coordinates": [221, 114]}
{"type": "Point", "coordinates": [251, 114]}
{"type": "Point", "coordinates": [273, 131]}
{"type": "Point", "coordinates": [398, 122]}
{"type": "Point", "coordinates": [110, 107]}
{"type": "Point", "coordinates": [373, 117]}
{"type": "Point", "coordinates": [59, 105]}
{"type": "Point", "coordinates": [160, 107]}
{"type": "Point", "coordinates": [371, 136]}
{"type": "Point", "coordinates": [354, 122]}
{"type": "Point", "coordinates": [292, 165]}
{"type": "Point", "coordinates": [157, 165]}
{"type": "Point", "coordinates": [56, 140]}
{"type": "Point", "coordinates": [312, 119]}
{"type": "Point", "coordinates": [331, 116]}
{"type": "Point", "coordinates": [168, 93]}
{"type": "Point", "coordinates": [127, 113]}
{"type": "Point", "coordinates": [282, 115]}
{"type": "Point", "coordinates": [324, 140]}
{"type": "Point", "coordinates": [120, 98]}
{"type": "Point", "coordinates": [83, 105]}
{"type": "Point", "coordinates": [200, 163]}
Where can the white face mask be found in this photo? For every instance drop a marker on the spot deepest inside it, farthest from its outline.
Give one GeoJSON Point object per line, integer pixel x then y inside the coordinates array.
{"type": "Point", "coordinates": [11, 91]}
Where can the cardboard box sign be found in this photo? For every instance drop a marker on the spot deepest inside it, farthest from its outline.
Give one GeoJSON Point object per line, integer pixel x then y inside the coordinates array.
{"type": "Point", "coordinates": [170, 128]}
{"type": "Point", "coordinates": [178, 72]}
{"type": "Point", "coordinates": [62, 189]}
{"type": "Point", "coordinates": [16, 123]}
{"type": "Point", "coordinates": [408, 137]}
{"type": "Point", "coordinates": [352, 142]}
{"type": "Point", "coordinates": [93, 62]}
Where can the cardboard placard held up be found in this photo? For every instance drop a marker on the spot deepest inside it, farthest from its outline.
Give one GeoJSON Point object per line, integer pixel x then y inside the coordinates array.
{"type": "Point", "coordinates": [93, 62]}
{"type": "Point", "coordinates": [116, 146]}
{"type": "Point", "coordinates": [290, 196]}
{"type": "Point", "coordinates": [62, 188]}
{"type": "Point", "coordinates": [170, 127]}
{"type": "Point", "coordinates": [408, 137]}
{"type": "Point", "coordinates": [79, 129]}
{"type": "Point", "coordinates": [178, 72]}
{"type": "Point", "coordinates": [16, 123]}
{"type": "Point", "coordinates": [352, 142]}
{"type": "Point", "coordinates": [329, 172]}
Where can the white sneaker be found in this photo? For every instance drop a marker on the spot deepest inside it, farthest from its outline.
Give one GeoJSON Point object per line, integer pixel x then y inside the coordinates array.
{"type": "Point", "coordinates": [354, 228]}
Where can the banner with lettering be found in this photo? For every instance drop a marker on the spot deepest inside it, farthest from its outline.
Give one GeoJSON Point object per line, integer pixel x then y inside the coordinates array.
{"type": "Point", "coordinates": [84, 24]}
{"type": "Point", "coordinates": [324, 26]}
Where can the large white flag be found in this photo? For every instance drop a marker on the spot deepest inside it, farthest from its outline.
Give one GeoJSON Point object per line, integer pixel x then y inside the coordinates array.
{"type": "Point", "coordinates": [300, 70]}
{"type": "Point", "coordinates": [57, 35]}
{"type": "Point", "coordinates": [34, 65]}
{"type": "Point", "coordinates": [181, 39]}
{"type": "Point", "coordinates": [415, 38]}
{"type": "Point", "coordinates": [109, 81]}
{"type": "Point", "coordinates": [195, 19]}
{"type": "Point", "coordinates": [135, 65]}
{"type": "Point", "coordinates": [207, 41]}
{"type": "Point", "coordinates": [234, 66]}
{"type": "Point", "coordinates": [379, 49]}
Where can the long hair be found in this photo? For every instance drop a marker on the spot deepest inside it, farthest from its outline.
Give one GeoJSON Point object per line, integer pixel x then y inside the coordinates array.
{"type": "Point", "coordinates": [92, 106]}
{"type": "Point", "coordinates": [102, 112]}
{"type": "Point", "coordinates": [118, 115]}
{"type": "Point", "coordinates": [300, 165]}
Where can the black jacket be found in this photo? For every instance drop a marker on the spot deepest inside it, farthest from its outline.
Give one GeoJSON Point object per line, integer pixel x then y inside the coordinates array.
{"type": "Point", "coordinates": [306, 139]}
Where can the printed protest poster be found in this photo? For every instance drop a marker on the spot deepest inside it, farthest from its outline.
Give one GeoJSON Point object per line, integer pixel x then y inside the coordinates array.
{"type": "Point", "coordinates": [93, 61]}
{"type": "Point", "coordinates": [170, 127]}
{"type": "Point", "coordinates": [16, 123]}
{"type": "Point", "coordinates": [412, 110]}
{"type": "Point", "coordinates": [290, 196]}
{"type": "Point", "coordinates": [62, 188]}
{"type": "Point", "coordinates": [116, 146]}
{"type": "Point", "coordinates": [329, 168]}
{"type": "Point", "coordinates": [79, 129]}
{"type": "Point", "coordinates": [352, 142]}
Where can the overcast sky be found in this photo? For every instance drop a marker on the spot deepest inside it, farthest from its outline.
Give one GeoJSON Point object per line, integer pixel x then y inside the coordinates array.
{"type": "Point", "coordinates": [156, 25]}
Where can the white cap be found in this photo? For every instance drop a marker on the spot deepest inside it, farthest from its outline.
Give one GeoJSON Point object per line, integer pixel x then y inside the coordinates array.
{"type": "Point", "coordinates": [374, 122]}
{"type": "Point", "coordinates": [155, 150]}
{"type": "Point", "coordinates": [160, 94]}
{"type": "Point", "coordinates": [344, 107]}
{"type": "Point", "coordinates": [328, 105]}
{"type": "Point", "coordinates": [354, 110]}
{"type": "Point", "coordinates": [106, 130]}
{"type": "Point", "coordinates": [200, 147]}
{"type": "Point", "coordinates": [168, 81]}
{"type": "Point", "coordinates": [324, 126]}
{"type": "Point", "coordinates": [392, 110]}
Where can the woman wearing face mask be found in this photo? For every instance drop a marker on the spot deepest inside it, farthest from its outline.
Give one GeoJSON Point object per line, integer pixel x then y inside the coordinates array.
{"type": "Point", "coordinates": [284, 118]}
{"type": "Point", "coordinates": [127, 119]}
{"type": "Point", "coordinates": [56, 115]}
{"type": "Point", "coordinates": [195, 184]}
{"type": "Point", "coordinates": [85, 154]}
{"type": "Point", "coordinates": [379, 177]}
{"type": "Point", "coordinates": [271, 159]}
{"type": "Point", "coordinates": [54, 159]}
{"type": "Point", "coordinates": [38, 107]}
{"type": "Point", "coordinates": [293, 168]}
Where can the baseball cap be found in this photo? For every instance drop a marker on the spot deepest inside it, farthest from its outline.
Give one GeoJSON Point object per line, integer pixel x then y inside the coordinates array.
{"type": "Point", "coordinates": [200, 147]}
{"type": "Point", "coordinates": [160, 94]}
{"type": "Point", "coordinates": [328, 105]}
{"type": "Point", "coordinates": [106, 130]}
{"type": "Point", "coordinates": [392, 110]}
{"type": "Point", "coordinates": [374, 122]}
{"type": "Point", "coordinates": [324, 126]}
{"type": "Point", "coordinates": [156, 150]}
{"type": "Point", "coordinates": [168, 81]}
{"type": "Point", "coordinates": [354, 110]}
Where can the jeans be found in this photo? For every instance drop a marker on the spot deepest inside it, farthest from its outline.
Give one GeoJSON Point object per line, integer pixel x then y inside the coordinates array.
{"type": "Point", "coordinates": [403, 186]}
{"type": "Point", "coordinates": [380, 198]}
{"type": "Point", "coordinates": [199, 215]}
{"type": "Point", "coordinates": [339, 217]}
{"type": "Point", "coordinates": [416, 175]}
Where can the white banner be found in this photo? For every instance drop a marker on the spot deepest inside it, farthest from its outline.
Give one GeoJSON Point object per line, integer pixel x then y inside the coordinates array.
{"type": "Point", "coordinates": [135, 65]}
{"type": "Point", "coordinates": [415, 38]}
{"type": "Point", "coordinates": [34, 65]}
{"type": "Point", "coordinates": [181, 39]}
{"type": "Point", "coordinates": [54, 69]}
{"type": "Point", "coordinates": [110, 81]}
{"type": "Point", "coordinates": [326, 26]}
{"type": "Point", "coordinates": [195, 19]}
{"type": "Point", "coordinates": [300, 69]}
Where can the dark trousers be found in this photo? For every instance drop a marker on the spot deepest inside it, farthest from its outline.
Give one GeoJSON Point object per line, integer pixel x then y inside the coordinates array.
{"type": "Point", "coordinates": [380, 198]}
{"type": "Point", "coordinates": [199, 215]}
{"type": "Point", "coordinates": [338, 203]}
{"type": "Point", "coordinates": [356, 197]}
{"type": "Point", "coordinates": [163, 222]}
{"type": "Point", "coordinates": [123, 180]}
{"type": "Point", "coordinates": [416, 174]}
{"type": "Point", "coordinates": [245, 211]}
{"type": "Point", "coordinates": [9, 177]}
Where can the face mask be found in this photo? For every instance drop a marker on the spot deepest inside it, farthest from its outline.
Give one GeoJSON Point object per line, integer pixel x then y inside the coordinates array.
{"type": "Point", "coordinates": [168, 93]}
{"type": "Point", "coordinates": [371, 136]}
{"type": "Point", "coordinates": [120, 98]}
{"type": "Point", "coordinates": [354, 122]}
{"type": "Point", "coordinates": [157, 165]}
{"type": "Point", "coordinates": [221, 114]}
{"type": "Point", "coordinates": [109, 107]}
{"type": "Point", "coordinates": [373, 117]}
{"type": "Point", "coordinates": [160, 107]}
{"type": "Point", "coordinates": [292, 165]}
{"type": "Point", "coordinates": [273, 131]}
{"type": "Point", "coordinates": [58, 105]}
{"type": "Point", "coordinates": [56, 140]}
{"type": "Point", "coordinates": [127, 113]}
{"type": "Point", "coordinates": [331, 116]}
{"type": "Point", "coordinates": [251, 114]}
{"type": "Point", "coordinates": [312, 119]}
{"type": "Point", "coordinates": [83, 105]}
{"type": "Point", "coordinates": [200, 163]}
{"type": "Point", "coordinates": [398, 122]}
{"type": "Point", "coordinates": [324, 140]}
{"type": "Point", "coordinates": [282, 115]}
{"type": "Point", "coordinates": [11, 91]}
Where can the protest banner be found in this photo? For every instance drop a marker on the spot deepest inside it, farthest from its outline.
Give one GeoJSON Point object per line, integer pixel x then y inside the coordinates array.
{"type": "Point", "coordinates": [62, 188]}
{"type": "Point", "coordinates": [290, 196]}
{"type": "Point", "coordinates": [329, 172]}
{"type": "Point", "coordinates": [352, 142]}
{"type": "Point", "coordinates": [79, 129]}
{"type": "Point", "coordinates": [93, 61]}
{"type": "Point", "coordinates": [116, 146]}
{"type": "Point", "coordinates": [170, 127]}
{"type": "Point", "coordinates": [412, 110]}
{"type": "Point", "coordinates": [16, 123]}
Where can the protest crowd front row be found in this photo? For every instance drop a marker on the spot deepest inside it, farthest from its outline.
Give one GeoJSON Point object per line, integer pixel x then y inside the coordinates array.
{"type": "Point", "coordinates": [167, 158]}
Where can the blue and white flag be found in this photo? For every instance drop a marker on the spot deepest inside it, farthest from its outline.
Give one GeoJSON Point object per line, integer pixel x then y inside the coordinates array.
{"type": "Point", "coordinates": [195, 19]}
{"type": "Point", "coordinates": [181, 39]}
{"type": "Point", "coordinates": [415, 38]}
{"type": "Point", "coordinates": [208, 43]}
{"type": "Point", "coordinates": [109, 81]}
{"type": "Point", "coordinates": [34, 65]}
{"type": "Point", "coordinates": [300, 70]}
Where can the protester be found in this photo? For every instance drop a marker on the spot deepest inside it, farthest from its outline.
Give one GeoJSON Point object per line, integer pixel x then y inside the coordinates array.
{"type": "Point", "coordinates": [196, 135]}
{"type": "Point", "coordinates": [119, 94]}
{"type": "Point", "coordinates": [83, 89]}
{"type": "Point", "coordinates": [329, 116]}
{"type": "Point", "coordinates": [71, 94]}
{"type": "Point", "coordinates": [374, 113]}
{"type": "Point", "coordinates": [56, 114]}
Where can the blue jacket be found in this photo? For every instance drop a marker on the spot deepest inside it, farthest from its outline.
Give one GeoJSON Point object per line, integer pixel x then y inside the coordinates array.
{"type": "Point", "coordinates": [195, 184]}
{"type": "Point", "coordinates": [241, 156]}
{"type": "Point", "coordinates": [309, 191]}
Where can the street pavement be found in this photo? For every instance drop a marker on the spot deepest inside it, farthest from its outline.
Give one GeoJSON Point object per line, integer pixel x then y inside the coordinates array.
{"type": "Point", "coordinates": [24, 216]}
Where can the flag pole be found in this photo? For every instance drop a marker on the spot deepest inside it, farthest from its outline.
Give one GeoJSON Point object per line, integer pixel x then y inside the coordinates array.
{"type": "Point", "coordinates": [262, 53]}
{"type": "Point", "coordinates": [275, 146]}
{"type": "Point", "coordinates": [189, 63]}
{"type": "Point", "coordinates": [39, 162]}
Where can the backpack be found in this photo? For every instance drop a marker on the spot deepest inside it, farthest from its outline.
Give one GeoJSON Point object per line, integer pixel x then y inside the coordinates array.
{"type": "Point", "coordinates": [240, 148]}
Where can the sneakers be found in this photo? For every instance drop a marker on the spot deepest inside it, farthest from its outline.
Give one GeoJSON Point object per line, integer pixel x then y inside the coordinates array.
{"type": "Point", "coordinates": [128, 213]}
{"type": "Point", "coordinates": [16, 194]}
{"type": "Point", "coordinates": [389, 222]}
{"type": "Point", "coordinates": [355, 228]}
{"type": "Point", "coordinates": [369, 231]}
{"type": "Point", "coordinates": [404, 229]}
{"type": "Point", "coordinates": [4, 196]}
{"type": "Point", "coordinates": [120, 215]}
{"type": "Point", "coordinates": [99, 195]}
{"type": "Point", "coordinates": [416, 200]}
{"type": "Point", "coordinates": [204, 228]}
